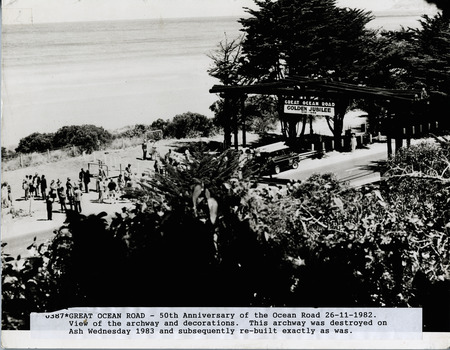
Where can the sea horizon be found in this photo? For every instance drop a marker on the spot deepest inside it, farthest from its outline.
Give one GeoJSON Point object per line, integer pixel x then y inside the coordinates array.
{"type": "Point", "coordinates": [377, 14]}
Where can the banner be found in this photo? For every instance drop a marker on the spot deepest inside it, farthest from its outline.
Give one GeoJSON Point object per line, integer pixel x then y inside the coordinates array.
{"type": "Point", "coordinates": [309, 106]}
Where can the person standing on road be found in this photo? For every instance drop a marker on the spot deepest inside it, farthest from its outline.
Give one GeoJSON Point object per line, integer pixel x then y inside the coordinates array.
{"type": "Point", "coordinates": [98, 179]}
{"type": "Point", "coordinates": [53, 188]}
{"type": "Point", "coordinates": [101, 190]}
{"type": "Point", "coordinates": [5, 196]}
{"type": "Point", "coordinates": [353, 142]}
{"type": "Point", "coordinates": [168, 157]}
{"type": "Point", "coordinates": [112, 190]}
{"type": "Point", "coordinates": [158, 166]}
{"type": "Point", "coordinates": [31, 191]}
{"type": "Point", "coordinates": [49, 203]}
{"type": "Point", "coordinates": [43, 187]}
{"type": "Point", "coordinates": [36, 184]}
{"type": "Point", "coordinates": [81, 179]}
{"type": "Point", "coordinates": [127, 174]}
{"type": "Point", "coordinates": [9, 193]}
{"type": "Point", "coordinates": [120, 184]}
{"type": "Point", "coordinates": [86, 179]}
{"type": "Point", "coordinates": [144, 150]}
{"type": "Point", "coordinates": [62, 198]}
{"type": "Point", "coordinates": [77, 193]}
{"type": "Point", "coordinates": [69, 193]}
{"type": "Point", "coordinates": [26, 187]}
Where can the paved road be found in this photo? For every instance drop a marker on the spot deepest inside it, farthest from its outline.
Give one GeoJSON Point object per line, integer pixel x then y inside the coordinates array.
{"type": "Point", "coordinates": [357, 169]}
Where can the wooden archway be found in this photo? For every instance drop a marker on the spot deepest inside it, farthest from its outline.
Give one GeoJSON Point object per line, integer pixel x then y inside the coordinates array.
{"type": "Point", "coordinates": [400, 105]}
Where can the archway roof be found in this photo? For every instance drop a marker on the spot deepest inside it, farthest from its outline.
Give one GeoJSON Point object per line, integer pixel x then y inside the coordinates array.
{"type": "Point", "coordinates": [296, 86]}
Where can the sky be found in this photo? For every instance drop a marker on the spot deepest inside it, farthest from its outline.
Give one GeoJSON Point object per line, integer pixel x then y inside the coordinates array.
{"type": "Point", "coordinates": [420, 6]}
{"type": "Point", "coordinates": [41, 11]}
{"type": "Point", "coordinates": [89, 10]}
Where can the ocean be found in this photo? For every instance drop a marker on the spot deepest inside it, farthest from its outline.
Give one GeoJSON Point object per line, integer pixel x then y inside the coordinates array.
{"type": "Point", "coordinates": [113, 73]}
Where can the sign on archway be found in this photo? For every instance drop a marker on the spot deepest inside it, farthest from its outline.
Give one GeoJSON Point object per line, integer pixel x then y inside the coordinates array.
{"type": "Point", "coordinates": [309, 105]}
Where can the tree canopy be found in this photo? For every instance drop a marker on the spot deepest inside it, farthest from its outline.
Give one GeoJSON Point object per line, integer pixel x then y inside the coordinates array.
{"type": "Point", "coordinates": [87, 137]}
{"type": "Point", "coordinates": [308, 38]}
{"type": "Point", "coordinates": [318, 39]}
{"type": "Point", "coordinates": [36, 142]}
{"type": "Point", "coordinates": [189, 125]}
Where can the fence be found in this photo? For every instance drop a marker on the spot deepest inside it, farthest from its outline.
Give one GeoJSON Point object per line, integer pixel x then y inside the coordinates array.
{"type": "Point", "coordinates": [23, 160]}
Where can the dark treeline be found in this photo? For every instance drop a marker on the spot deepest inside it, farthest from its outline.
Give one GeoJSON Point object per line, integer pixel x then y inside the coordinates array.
{"type": "Point", "coordinates": [87, 137]}
{"type": "Point", "coordinates": [90, 138]}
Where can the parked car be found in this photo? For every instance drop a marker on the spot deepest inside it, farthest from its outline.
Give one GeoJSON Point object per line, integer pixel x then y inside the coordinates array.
{"type": "Point", "coordinates": [276, 157]}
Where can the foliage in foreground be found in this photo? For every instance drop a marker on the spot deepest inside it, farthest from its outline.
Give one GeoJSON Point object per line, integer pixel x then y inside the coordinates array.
{"type": "Point", "coordinates": [316, 243]}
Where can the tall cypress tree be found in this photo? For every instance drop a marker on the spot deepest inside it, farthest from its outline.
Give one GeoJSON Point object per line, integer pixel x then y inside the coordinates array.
{"type": "Point", "coordinates": [308, 38]}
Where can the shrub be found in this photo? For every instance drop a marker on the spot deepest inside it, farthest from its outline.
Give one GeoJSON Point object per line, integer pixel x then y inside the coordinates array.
{"type": "Point", "coordinates": [87, 137]}
{"type": "Point", "coordinates": [135, 131]}
{"type": "Point", "coordinates": [189, 125]}
{"type": "Point", "coordinates": [32, 159]}
{"type": "Point", "coordinates": [160, 124]}
{"type": "Point", "coordinates": [356, 247]}
{"type": "Point", "coordinates": [35, 142]}
{"type": "Point", "coordinates": [125, 142]}
{"type": "Point", "coordinates": [426, 157]}
{"type": "Point", "coordinates": [25, 287]}
{"type": "Point", "coordinates": [7, 154]}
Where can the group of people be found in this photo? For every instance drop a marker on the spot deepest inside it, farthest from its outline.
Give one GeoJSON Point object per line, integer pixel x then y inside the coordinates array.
{"type": "Point", "coordinates": [37, 187]}
{"type": "Point", "coordinates": [154, 155]}
{"type": "Point", "coordinates": [171, 159]}
{"type": "Point", "coordinates": [130, 178]}
{"type": "Point", "coordinates": [84, 178]}
{"type": "Point", "coordinates": [68, 194]}
{"type": "Point", "coordinates": [147, 151]}
{"type": "Point", "coordinates": [33, 186]}
{"type": "Point", "coordinates": [108, 189]}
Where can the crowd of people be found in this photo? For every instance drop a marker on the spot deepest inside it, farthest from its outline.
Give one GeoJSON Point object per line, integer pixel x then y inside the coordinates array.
{"type": "Point", "coordinates": [69, 194]}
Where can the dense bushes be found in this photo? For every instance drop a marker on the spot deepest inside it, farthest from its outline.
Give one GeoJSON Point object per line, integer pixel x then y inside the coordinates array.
{"type": "Point", "coordinates": [186, 125]}
{"type": "Point", "coordinates": [7, 154]}
{"type": "Point", "coordinates": [189, 125]}
{"type": "Point", "coordinates": [134, 131]}
{"type": "Point", "coordinates": [36, 142]}
{"type": "Point", "coordinates": [367, 245]}
{"type": "Point", "coordinates": [87, 137]}
{"type": "Point", "coordinates": [316, 243]}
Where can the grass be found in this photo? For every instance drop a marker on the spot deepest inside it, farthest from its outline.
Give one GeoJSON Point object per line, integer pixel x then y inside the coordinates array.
{"type": "Point", "coordinates": [26, 160]}
{"type": "Point", "coordinates": [33, 159]}
{"type": "Point", "coordinates": [123, 142]}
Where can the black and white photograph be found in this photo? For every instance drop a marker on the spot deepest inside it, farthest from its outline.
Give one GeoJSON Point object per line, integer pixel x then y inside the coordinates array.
{"type": "Point", "coordinates": [228, 155]}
